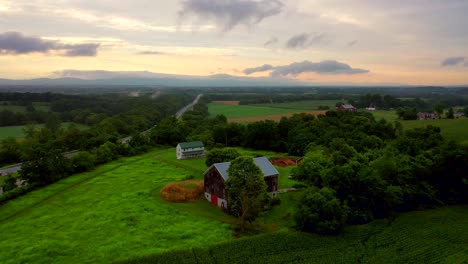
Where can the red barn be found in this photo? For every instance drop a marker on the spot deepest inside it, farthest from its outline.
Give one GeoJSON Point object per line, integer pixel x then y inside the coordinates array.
{"type": "Point", "coordinates": [348, 108]}
{"type": "Point", "coordinates": [216, 175]}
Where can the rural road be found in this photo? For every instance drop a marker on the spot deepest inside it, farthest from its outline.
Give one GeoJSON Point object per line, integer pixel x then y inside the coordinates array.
{"type": "Point", "coordinates": [189, 106]}
{"type": "Point", "coordinates": [178, 115]}
{"type": "Point", "coordinates": [17, 167]}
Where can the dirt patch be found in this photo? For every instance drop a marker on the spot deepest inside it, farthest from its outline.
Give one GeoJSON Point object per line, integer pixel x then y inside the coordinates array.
{"type": "Point", "coordinates": [271, 117]}
{"type": "Point", "coordinates": [285, 162]}
{"type": "Point", "coordinates": [182, 191]}
{"type": "Point", "coordinates": [227, 102]}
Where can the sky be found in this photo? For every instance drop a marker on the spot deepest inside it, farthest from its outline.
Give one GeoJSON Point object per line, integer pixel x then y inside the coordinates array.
{"type": "Point", "coordinates": [417, 42]}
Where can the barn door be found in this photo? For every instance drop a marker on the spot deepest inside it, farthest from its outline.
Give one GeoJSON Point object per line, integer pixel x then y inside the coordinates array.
{"type": "Point", "coordinates": [214, 199]}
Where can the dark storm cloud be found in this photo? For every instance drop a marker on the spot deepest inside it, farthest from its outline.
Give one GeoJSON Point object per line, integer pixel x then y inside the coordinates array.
{"type": "Point", "coordinates": [305, 40]}
{"type": "Point", "coordinates": [16, 43]}
{"type": "Point", "coordinates": [230, 13]}
{"type": "Point", "coordinates": [294, 69]}
{"type": "Point", "coordinates": [452, 61]}
{"type": "Point", "coordinates": [263, 68]}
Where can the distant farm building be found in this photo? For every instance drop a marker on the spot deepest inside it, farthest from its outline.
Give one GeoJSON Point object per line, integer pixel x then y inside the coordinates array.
{"type": "Point", "coordinates": [348, 108]}
{"type": "Point", "coordinates": [217, 174]}
{"type": "Point", "coordinates": [190, 150]}
{"type": "Point", "coordinates": [458, 114]}
{"type": "Point", "coordinates": [428, 116]}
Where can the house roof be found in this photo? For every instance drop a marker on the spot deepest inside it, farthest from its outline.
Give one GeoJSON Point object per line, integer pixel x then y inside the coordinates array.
{"type": "Point", "coordinates": [263, 163]}
{"type": "Point", "coordinates": [347, 106]}
{"type": "Point", "coordinates": [194, 144]}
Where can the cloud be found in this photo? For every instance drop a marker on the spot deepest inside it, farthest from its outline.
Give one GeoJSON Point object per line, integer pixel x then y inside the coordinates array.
{"type": "Point", "coordinates": [151, 53]}
{"type": "Point", "coordinates": [272, 41]}
{"type": "Point", "coordinates": [294, 69]}
{"type": "Point", "coordinates": [466, 64]}
{"type": "Point", "coordinates": [15, 43]}
{"type": "Point", "coordinates": [81, 50]}
{"type": "Point", "coordinates": [263, 68]}
{"type": "Point", "coordinates": [352, 43]}
{"type": "Point", "coordinates": [230, 13]}
{"type": "Point", "coordinates": [305, 40]}
{"type": "Point", "coordinates": [452, 61]}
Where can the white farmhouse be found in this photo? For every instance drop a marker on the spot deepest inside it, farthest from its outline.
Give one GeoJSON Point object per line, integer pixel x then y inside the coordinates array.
{"type": "Point", "coordinates": [190, 150]}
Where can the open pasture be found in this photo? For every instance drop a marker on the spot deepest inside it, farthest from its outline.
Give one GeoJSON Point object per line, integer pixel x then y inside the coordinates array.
{"type": "Point", "coordinates": [242, 111]}
{"type": "Point", "coordinates": [17, 131]}
{"type": "Point", "coordinates": [111, 213]}
{"type": "Point", "coordinates": [302, 105]}
{"type": "Point", "coordinates": [39, 106]}
{"type": "Point", "coordinates": [456, 129]}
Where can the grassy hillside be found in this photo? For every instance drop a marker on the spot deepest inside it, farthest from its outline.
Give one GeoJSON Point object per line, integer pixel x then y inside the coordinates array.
{"type": "Point", "coordinates": [108, 214]}
{"type": "Point", "coordinates": [432, 236]}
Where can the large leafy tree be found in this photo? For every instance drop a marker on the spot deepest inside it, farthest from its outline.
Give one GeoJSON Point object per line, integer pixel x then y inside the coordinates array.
{"type": "Point", "coordinates": [320, 211]}
{"type": "Point", "coordinates": [221, 155]}
{"type": "Point", "coordinates": [247, 190]}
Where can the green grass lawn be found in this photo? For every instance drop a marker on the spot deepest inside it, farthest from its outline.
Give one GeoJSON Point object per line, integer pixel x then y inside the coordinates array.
{"type": "Point", "coordinates": [39, 106]}
{"type": "Point", "coordinates": [383, 114]}
{"type": "Point", "coordinates": [237, 111]}
{"type": "Point", "coordinates": [111, 213]}
{"type": "Point", "coordinates": [456, 129]}
{"type": "Point", "coordinates": [17, 131]}
{"type": "Point", "coordinates": [431, 236]}
{"type": "Point", "coordinates": [310, 105]}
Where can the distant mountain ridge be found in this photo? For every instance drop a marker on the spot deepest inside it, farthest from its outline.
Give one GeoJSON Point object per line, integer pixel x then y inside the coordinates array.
{"type": "Point", "coordinates": [145, 78]}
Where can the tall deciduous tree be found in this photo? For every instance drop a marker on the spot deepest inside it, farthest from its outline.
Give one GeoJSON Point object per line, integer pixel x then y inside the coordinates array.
{"type": "Point", "coordinates": [247, 190]}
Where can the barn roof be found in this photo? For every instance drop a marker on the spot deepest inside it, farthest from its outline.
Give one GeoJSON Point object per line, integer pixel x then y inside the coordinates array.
{"type": "Point", "coordinates": [263, 163]}
{"type": "Point", "coordinates": [348, 106]}
{"type": "Point", "coordinates": [194, 144]}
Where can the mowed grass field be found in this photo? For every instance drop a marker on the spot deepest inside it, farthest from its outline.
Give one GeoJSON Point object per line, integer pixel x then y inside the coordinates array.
{"type": "Point", "coordinates": [111, 213]}
{"type": "Point", "coordinates": [17, 131]}
{"type": "Point", "coordinates": [431, 236]}
{"type": "Point", "coordinates": [302, 105]}
{"type": "Point", "coordinates": [40, 106]}
{"type": "Point", "coordinates": [456, 129]}
{"type": "Point", "coordinates": [249, 113]}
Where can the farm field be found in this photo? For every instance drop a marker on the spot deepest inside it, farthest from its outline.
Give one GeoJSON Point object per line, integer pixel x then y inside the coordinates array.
{"type": "Point", "coordinates": [456, 129]}
{"type": "Point", "coordinates": [383, 114]}
{"type": "Point", "coordinates": [302, 105]}
{"type": "Point", "coordinates": [431, 236]}
{"type": "Point", "coordinates": [237, 111]}
{"type": "Point", "coordinates": [39, 106]}
{"type": "Point", "coordinates": [17, 131]}
{"type": "Point", "coordinates": [247, 113]}
{"type": "Point", "coordinates": [111, 213]}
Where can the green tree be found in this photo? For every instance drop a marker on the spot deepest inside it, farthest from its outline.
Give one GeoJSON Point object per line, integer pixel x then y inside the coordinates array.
{"type": "Point", "coordinates": [83, 161]}
{"type": "Point", "coordinates": [439, 108]}
{"type": "Point", "coordinates": [449, 114]}
{"type": "Point", "coordinates": [221, 155]}
{"type": "Point", "coordinates": [321, 212]}
{"type": "Point", "coordinates": [247, 190]}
